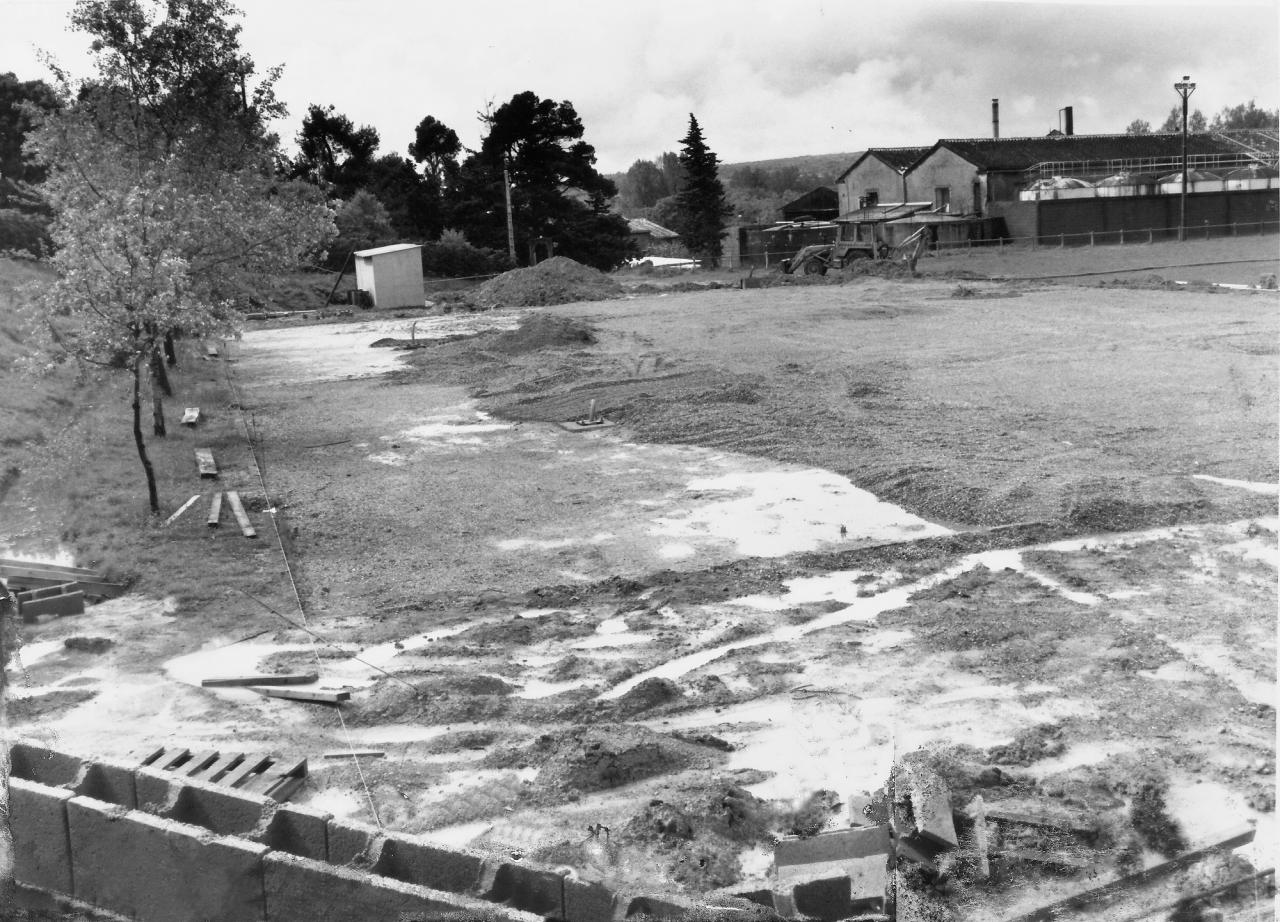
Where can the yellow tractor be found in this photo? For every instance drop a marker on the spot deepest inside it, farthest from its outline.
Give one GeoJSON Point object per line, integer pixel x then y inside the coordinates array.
{"type": "Point", "coordinates": [854, 242]}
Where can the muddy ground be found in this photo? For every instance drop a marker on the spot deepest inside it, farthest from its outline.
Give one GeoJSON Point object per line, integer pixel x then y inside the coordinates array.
{"type": "Point", "coordinates": [1030, 529]}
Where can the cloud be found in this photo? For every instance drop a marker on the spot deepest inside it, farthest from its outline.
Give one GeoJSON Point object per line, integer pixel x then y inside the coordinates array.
{"type": "Point", "coordinates": [765, 79]}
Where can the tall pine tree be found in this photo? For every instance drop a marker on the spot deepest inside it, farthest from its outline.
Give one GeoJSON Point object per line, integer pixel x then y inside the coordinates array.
{"type": "Point", "coordinates": [700, 204]}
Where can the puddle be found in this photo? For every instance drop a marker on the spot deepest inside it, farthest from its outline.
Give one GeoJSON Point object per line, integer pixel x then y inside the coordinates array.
{"type": "Point", "coordinates": [534, 688]}
{"type": "Point", "coordinates": [1209, 808]}
{"type": "Point", "coordinates": [341, 351]}
{"type": "Point", "coordinates": [31, 653]}
{"type": "Point", "coordinates": [33, 551]}
{"type": "Point", "coordinates": [341, 802]}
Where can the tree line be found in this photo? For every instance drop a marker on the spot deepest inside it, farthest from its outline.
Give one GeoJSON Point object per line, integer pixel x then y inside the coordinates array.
{"type": "Point", "coordinates": [1245, 115]}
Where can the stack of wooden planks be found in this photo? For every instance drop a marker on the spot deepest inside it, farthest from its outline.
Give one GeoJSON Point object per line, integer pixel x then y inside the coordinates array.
{"type": "Point", "coordinates": [262, 774]}
{"type": "Point", "coordinates": [52, 589]}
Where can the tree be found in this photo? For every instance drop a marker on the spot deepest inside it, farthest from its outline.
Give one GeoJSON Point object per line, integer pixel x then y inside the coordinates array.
{"type": "Point", "coordinates": [168, 210]}
{"type": "Point", "coordinates": [436, 146]}
{"type": "Point", "coordinates": [642, 186]}
{"type": "Point", "coordinates": [362, 222]}
{"type": "Point", "coordinates": [1138, 126]}
{"type": "Point", "coordinates": [1245, 116]}
{"type": "Point", "coordinates": [333, 152]}
{"type": "Point", "coordinates": [17, 99]}
{"type": "Point", "coordinates": [556, 191]}
{"type": "Point", "coordinates": [1196, 122]}
{"type": "Point", "coordinates": [701, 204]}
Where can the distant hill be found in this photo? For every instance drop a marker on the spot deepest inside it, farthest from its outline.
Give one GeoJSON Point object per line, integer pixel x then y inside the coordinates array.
{"type": "Point", "coordinates": [828, 165]}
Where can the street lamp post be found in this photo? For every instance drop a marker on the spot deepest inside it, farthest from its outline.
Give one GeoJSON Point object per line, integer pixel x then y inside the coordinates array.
{"type": "Point", "coordinates": [1185, 88]}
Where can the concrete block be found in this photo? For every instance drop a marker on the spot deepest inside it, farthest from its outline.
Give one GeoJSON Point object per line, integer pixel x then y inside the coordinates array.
{"type": "Point", "coordinates": [826, 898]}
{"type": "Point", "coordinates": [353, 844]}
{"type": "Point", "coordinates": [838, 845]}
{"type": "Point", "coordinates": [34, 762]}
{"type": "Point", "coordinates": [298, 830]}
{"type": "Point", "coordinates": [660, 907]}
{"type": "Point", "coordinates": [302, 890]}
{"type": "Point", "coordinates": [226, 811]}
{"type": "Point", "coordinates": [585, 901]}
{"type": "Point", "coordinates": [530, 889]}
{"type": "Point", "coordinates": [155, 870]}
{"type": "Point", "coordinates": [41, 845]}
{"type": "Point", "coordinates": [931, 806]}
{"type": "Point", "coordinates": [112, 782]}
{"type": "Point", "coordinates": [417, 861]}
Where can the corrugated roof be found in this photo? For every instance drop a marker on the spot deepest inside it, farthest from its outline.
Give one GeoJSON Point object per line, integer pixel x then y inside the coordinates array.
{"type": "Point", "coordinates": [392, 248]}
{"type": "Point", "coordinates": [645, 226]}
{"type": "Point", "coordinates": [896, 158]}
{"type": "Point", "coordinates": [1021, 153]}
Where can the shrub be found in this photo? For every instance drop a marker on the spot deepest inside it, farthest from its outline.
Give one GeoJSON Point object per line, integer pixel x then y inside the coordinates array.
{"type": "Point", "coordinates": [22, 231]}
{"type": "Point", "coordinates": [452, 256]}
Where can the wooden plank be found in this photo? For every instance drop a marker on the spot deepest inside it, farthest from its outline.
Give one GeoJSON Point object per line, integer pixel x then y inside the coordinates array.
{"type": "Point", "coordinates": [92, 589]}
{"type": "Point", "coordinates": [250, 765]}
{"type": "Point", "coordinates": [1240, 836]}
{"type": "Point", "coordinates": [284, 788]}
{"type": "Point", "coordinates": [298, 694]}
{"type": "Point", "coordinates": [219, 767]}
{"type": "Point", "coordinates": [40, 567]}
{"type": "Point", "coordinates": [237, 509]}
{"type": "Point", "coordinates": [293, 678]}
{"type": "Point", "coordinates": [150, 755]}
{"type": "Point", "coordinates": [356, 753]}
{"type": "Point", "coordinates": [198, 763]}
{"type": "Point", "coordinates": [204, 461]}
{"type": "Point", "coordinates": [70, 603]}
{"type": "Point", "coordinates": [47, 592]}
{"type": "Point", "coordinates": [1001, 815]}
{"type": "Point", "coordinates": [183, 508]}
{"type": "Point", "coordinates": [171, 759]}
{"type": "Point", "coordinates": [190, 416]}
{"type": "Point", "coordinates": [215, 510]}
{"type": "Point", "coordinates": [1035, 856]}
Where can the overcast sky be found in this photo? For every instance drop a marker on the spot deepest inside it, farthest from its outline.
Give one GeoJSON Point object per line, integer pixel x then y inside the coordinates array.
{"type": "Point", "coordinates": [766, 78]}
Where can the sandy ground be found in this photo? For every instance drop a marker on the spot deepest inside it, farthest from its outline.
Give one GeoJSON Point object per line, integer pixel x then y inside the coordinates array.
{"type": "Point", "coordinates": [547, 629]}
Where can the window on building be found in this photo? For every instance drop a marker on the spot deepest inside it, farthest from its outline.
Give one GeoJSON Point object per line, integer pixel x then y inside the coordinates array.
{"type": "Point", "coordinates": [872, 197]}
{"type": "Point", "coordinates": [977, 197]}
{"type": "Point", "coordinates": [942, 198]}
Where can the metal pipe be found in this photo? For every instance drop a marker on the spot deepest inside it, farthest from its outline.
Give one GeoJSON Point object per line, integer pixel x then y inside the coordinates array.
{"type": "Point", "coordinates": [1185, 88]}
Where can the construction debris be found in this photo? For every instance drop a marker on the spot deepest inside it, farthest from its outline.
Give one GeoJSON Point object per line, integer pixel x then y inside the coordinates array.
{"type": "Point", "coordinates": [261, 774]}
{"type": "Point", "coordinates": [22, 575]}
{"type": "Point", "coordinates": [356, 754]}
{"type": "Point", "coordinates": [296, 678]}
{"type": "Point", "coordinates": [181, 509]}
{"type": "Point", "coordinates": [295, 694]}
{"type": "Point", "coordinates": [237, 509]}
{"type": "Point", "coordinates": [205, 462]}
{"type": "Point", "coordinates": [53, 600]}
{"type": "Point", "coordinates": [215, 510]}
{"type": "Point", "coordinates": [191, 416]}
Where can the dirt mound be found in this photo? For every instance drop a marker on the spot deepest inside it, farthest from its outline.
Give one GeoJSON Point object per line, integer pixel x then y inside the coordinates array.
{"type": "Point", "coordinates": [606, 757]}
{"type": "Point", "coordinates": [558, 280]}
{"type": "Point", "coordinates": [543, 331]}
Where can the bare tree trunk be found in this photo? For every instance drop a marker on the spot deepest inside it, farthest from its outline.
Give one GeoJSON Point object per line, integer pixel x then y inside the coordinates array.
{"type": "Point", "coordinates": [160, 372]}
{"type": "Point", "coordinates": [152, 495]}
{"type": "Point", "coordinates": [157, 394]}
{"type": "Point", "coordinates": [170, 353]}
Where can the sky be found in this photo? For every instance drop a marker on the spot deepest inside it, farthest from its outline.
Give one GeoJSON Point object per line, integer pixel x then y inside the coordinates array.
{"type": "Point", "coordinates": [765, 78]}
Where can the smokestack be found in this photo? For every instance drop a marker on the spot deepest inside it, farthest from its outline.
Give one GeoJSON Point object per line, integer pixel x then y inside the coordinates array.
{"type": "Point", "coordinates": [995, 118]}
{"type": "Point", "coordinates": [1068, 123]}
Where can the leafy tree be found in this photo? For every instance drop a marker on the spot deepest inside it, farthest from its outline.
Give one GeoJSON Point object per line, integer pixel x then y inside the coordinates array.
{"type": "Point", "coordinates": [701, 204]}
{"type": "Point", "coordinates": [412, 201]}
{"type": "Point", "coordinates": [556, 191]}
{"type": "Point", "coordinates": [333, 152]}
{"type": "Point", "coordinates": [16, 96]}
{"type": "Point", "coordinates": [362, 223]}
{"type": "Point", "coordinates": [436, 146]}
{"type": "Point", "coordinates": [169, 212]}
{"type": "Point", "coordinates": [1245, 115]}
{"type": "Point", "coordinates": [1138, 126]}
{"type": "Point", "coordinates": [642, 186]}
{"type": "Point", "coordinates": [1196, 122]}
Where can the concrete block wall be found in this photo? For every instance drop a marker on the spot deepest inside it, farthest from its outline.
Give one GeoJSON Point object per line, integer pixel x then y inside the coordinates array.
{"type": "Point", "coordinates": [155, 847]}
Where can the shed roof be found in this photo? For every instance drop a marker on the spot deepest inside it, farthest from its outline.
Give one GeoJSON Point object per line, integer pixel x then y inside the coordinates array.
{"type": "Point", "coordinates": [823, 198]}
{"type": "Point", "coordinates": [896, 158]}
{"type": "Point", "coordinates": [645, 226]}
{"type": "Point", "coordinates": [1021, 153]}
{"type": "Point", "coordinates": [391, 248]}
{"type": "Point", "coordinates": [887, 211]}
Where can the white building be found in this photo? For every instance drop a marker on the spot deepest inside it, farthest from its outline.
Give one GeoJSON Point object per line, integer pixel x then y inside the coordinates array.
{"type": "Point", "coordinates": [392, 275]}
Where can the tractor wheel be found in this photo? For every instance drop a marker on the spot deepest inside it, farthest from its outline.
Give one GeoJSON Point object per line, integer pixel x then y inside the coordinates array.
{"type": "Point", "coordinates": [815, 265]}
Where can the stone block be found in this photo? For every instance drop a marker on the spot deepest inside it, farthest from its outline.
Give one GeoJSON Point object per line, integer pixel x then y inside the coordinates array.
{"type": "Point", "coordinates": [222, 810]}
{"type": "Point", "coordinates": [41, 845]}
{"type": "Point", "coordinates": [660, 907]}
{"type": "Point", "coordinates": [353, 844]}
{"type": "Point", "coordinates": [34, 762]}
{"type": "Point", "coordinates": [417, 861]}
{"type": "Point", "coordinates": [302, 890]}
{"type": "Point", "coordinates": [586, 901]}
{"type": "Point", "coordinates": [298, 830]}
{"type": "Point", "coordinates": [838, 845]}
{"type": "Point", "coordinates": [156, 870]}
{"type": "Point", "coordinates": [108, 781]}
{"type": "Point", "coordinates": [827, 898]}
{"type": "Point", "coordinates": [531, 889]}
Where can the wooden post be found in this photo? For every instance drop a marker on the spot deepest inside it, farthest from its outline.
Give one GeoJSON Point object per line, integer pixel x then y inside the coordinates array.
{"type": "Point", "coordinates": [1122, 236]}
{"type": "Point", "coordinates": [1090, 238]}
{"type": "Point", "coordinates": [1062, 241]}
{"type": "Point", "coordinates": [1151, 237]}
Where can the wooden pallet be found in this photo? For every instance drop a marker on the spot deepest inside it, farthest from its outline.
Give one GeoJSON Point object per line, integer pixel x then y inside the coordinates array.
{"type": "Point", "coordinates": [256, 772]}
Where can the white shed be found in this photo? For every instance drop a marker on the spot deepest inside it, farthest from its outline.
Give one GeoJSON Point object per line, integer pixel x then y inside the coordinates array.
{"type": "Point", "coordinates": [392, 275]}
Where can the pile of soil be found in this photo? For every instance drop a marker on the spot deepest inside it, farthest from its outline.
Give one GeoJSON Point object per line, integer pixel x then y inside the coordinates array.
{"type": "Point", "coordinates": [543, 331]}
{"type": "Point", "coordinates": [558, 280]}
{"type": "Point", "coordinates": [606, 757]}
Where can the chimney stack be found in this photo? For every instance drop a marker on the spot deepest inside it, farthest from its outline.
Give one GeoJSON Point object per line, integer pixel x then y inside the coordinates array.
{"type": "Point", "coordinates": [1068, 122]}
{"type": "Point", "coordinates": [995, 118]}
